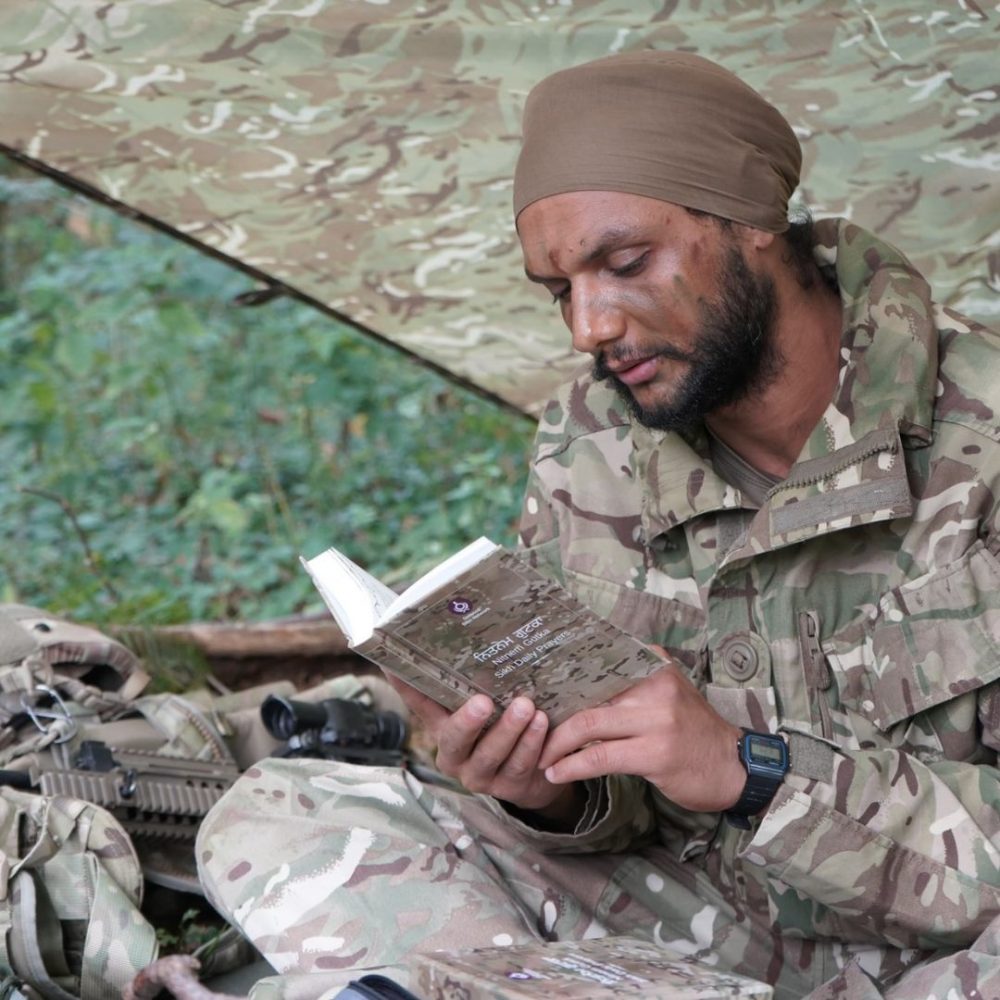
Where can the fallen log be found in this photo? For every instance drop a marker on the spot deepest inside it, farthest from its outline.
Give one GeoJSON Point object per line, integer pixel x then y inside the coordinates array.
{"type": "Point", "coordinates": [292, 637]}
{"type": "Point", "coordinates": [239, 655]}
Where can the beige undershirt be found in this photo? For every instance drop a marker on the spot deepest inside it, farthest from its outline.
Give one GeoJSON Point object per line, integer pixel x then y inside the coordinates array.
{"type": "Point", "coordinates": [736, 471]}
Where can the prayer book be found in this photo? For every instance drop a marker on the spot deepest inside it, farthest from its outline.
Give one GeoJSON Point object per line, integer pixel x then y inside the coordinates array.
{"type": "Point", "coordinates": [483, 620]}
{"type": "Point", "coordinates": [596, 969]}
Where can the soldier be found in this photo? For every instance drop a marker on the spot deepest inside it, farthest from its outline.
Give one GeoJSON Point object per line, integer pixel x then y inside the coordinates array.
{"type": "Point", "coordinates": [782, 467]}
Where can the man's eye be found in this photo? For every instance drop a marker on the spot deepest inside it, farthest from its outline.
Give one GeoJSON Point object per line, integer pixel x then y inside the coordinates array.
{"type": "Point", "coordinates": [632, 267]}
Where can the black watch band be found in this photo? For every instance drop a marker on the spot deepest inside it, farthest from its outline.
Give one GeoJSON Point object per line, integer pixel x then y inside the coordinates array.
{"type": "Point", "coordinates": [765, 757]}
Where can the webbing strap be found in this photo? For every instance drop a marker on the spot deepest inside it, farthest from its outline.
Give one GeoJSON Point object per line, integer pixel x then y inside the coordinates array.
{"type": "Point", "coordinates": [134, 685]}
{"type": "Point", "coordinates": [113, 955]}
{"type": "Point", "coordinates": [92, 699]}
{"type": "Point", "coordinates": [28, 938]}
{"type": "Point", "coordinates": [22, 677]}
{"type": "Point", "coordinates": [5, 914]}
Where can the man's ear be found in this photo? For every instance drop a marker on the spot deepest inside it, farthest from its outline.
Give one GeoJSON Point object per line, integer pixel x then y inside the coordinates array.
{"type": "Point", "coordinates": [760, 240]}
{"type": "Point", "coordinates": [751, 239]}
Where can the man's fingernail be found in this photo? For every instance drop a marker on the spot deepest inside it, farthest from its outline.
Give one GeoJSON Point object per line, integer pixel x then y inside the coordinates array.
{"type": "Point", "coordinates": [479, 709]}
{"type": "Point", "coordinates": [520, 709]}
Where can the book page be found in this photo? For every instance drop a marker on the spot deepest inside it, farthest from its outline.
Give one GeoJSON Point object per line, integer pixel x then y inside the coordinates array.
{"type": "Point", "coordinates": [356, 599]}
{"type": "Point", "coordinates": [453, 567]}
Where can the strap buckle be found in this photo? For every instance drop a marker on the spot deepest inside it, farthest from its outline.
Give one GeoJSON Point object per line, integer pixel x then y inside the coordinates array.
{"type": "Point", "coordinates": [58, 713]}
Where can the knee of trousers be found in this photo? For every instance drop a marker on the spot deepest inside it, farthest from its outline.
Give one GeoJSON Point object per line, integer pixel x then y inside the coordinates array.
{"type": "Point", "coordinates": [289, 833]}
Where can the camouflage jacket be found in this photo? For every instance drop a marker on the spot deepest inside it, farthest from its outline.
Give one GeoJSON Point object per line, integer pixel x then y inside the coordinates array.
{"type": "Point", "coordinates": [858, 609]}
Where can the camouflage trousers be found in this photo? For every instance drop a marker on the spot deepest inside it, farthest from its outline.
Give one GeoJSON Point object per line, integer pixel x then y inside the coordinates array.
{"type": "Point", "coordinates": [329, 868]}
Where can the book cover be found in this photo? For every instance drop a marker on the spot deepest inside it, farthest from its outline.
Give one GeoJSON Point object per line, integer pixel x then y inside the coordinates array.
{"type": "Point", "coordinates": [578, 970]}
{"type": "Point", "coordinates": [502, 628]}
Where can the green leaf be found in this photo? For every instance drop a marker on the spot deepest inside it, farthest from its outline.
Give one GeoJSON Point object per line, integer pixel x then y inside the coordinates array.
{"type": "Point", "coordinates": [202, 446]}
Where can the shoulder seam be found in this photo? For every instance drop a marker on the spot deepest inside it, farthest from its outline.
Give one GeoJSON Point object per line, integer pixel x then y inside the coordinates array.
{"type": "Point", "coordinates": [551, 451]}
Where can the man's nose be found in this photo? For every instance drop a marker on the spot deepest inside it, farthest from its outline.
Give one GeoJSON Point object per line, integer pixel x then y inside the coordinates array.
{"type": "Point", "coordinates": [594, 320]}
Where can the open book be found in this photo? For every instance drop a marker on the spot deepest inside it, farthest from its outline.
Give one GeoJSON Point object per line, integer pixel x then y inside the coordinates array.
{"type": "Point", "coordinates": [483, 621]}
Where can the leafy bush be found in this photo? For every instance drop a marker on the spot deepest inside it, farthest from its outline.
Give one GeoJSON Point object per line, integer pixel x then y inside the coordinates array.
{"type": "Point", "coordinates": [168, 454]}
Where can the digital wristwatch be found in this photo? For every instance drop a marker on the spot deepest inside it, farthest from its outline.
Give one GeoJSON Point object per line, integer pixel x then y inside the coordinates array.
{"type": "Point", "coordinates": [765, 757]}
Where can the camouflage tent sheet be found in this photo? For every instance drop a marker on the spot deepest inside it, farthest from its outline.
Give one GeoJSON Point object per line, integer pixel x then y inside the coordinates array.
{"type": "Point", "coordinates": [360, 152]}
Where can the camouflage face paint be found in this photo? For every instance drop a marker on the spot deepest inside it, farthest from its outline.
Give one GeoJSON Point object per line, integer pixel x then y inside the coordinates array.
{"type": "Point", "coordinates": [663, 300]}
{"type": "Point", "coordinates": [734, 356]}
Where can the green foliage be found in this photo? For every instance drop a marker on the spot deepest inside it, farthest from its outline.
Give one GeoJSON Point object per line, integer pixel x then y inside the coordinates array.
{"type": "Point", "coordinates": [167, 454]}
{"type": "Point", "coordinates": [190, 935]}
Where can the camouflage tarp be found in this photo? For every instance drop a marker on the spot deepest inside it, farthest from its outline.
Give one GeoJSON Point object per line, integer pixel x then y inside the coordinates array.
{"type": "Point", "coordinates": [360, 151]}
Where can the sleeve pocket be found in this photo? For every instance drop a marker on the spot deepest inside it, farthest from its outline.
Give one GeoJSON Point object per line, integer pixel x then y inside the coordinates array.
{"type": "Point", "coordinates": [650, 617]}
{"type": "Point", "coordinates": [927, 642]}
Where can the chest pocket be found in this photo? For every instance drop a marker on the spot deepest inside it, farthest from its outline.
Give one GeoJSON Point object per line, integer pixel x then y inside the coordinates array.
{"type": "Point", "coordinates": [927, 644]}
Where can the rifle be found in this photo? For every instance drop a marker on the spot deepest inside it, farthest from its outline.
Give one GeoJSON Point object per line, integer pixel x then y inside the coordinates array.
{"type": "Point", "coordinates": [150, 794]}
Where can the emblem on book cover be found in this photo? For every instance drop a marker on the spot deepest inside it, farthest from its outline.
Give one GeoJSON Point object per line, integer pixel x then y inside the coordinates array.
{"type": "Point", "coordinates": [460, 605]}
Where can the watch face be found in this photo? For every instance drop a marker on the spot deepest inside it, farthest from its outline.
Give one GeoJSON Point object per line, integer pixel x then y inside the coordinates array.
{"type": "Point", "coordinates": [766, 753]}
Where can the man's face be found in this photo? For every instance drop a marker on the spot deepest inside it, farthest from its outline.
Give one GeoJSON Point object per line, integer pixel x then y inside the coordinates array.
{"type": "Point", "coordinates": [665, 301]}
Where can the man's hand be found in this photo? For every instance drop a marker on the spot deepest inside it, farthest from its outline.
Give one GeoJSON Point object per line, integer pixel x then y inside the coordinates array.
{"type": "Point", "coordinates": [500, 760]}
{"type": "Point", "coordinates": [662, 730]}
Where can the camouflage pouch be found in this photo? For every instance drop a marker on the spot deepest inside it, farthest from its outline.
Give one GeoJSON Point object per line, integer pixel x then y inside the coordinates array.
{"type": "Point", "coordinates": [70, 890]}
{"type": "Point", "coordinates": [56, 676]}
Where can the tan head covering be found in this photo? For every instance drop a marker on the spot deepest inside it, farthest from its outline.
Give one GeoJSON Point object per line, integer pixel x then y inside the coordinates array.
{"type": "Point", "coordinates": [667, 125]}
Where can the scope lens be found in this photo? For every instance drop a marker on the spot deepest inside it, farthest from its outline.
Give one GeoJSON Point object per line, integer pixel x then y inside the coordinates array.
{"type": "Point", "coordinates": [284, 717]}
{"type": "Point", "coordinates": [391, 731]}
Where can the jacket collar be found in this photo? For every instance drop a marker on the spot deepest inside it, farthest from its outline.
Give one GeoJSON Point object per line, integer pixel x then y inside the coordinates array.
{"type": "Point", "coordinates": [851, 469]}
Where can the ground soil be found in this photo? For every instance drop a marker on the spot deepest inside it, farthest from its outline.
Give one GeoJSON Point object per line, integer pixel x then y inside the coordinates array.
{"type": "Point", "coordinates": [302, 671]}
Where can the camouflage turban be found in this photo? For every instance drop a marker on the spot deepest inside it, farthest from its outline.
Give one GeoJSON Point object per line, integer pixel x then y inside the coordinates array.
{"type": "Point", "coordinates": [667, 125]}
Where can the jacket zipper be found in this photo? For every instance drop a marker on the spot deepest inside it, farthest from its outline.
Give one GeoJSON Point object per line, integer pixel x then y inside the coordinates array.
{"type": "Point", "coordinates": [816, 669]}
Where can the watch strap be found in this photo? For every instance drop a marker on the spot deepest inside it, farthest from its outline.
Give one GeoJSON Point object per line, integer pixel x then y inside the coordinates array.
{"type": "Point", "coordinates": [759, 788]}
{"type": "Point", "coordinates": [757, 794]}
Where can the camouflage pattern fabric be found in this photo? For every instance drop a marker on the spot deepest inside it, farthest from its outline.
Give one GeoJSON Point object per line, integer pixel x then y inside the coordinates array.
{"type": "Point", "coordinates": [858, 609]}
{"type": "Point", "coordinates": [361, 153]}
{"type": "Point", "coordinates": [70, 888]}
{"type": "Point", "coordinates": [355, 868]}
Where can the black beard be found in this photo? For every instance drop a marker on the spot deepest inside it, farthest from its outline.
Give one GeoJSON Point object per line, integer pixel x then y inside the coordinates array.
{"type": "Point", "coordinates": [735, 355]}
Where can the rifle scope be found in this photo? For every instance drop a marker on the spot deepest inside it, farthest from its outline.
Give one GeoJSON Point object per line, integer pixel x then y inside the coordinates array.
{"type": "Point", "coordinates": [309, 727]}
